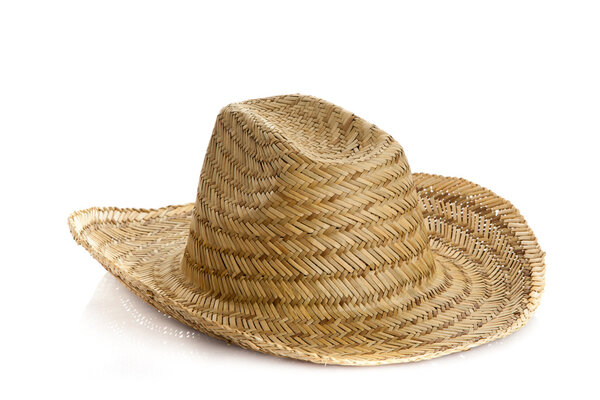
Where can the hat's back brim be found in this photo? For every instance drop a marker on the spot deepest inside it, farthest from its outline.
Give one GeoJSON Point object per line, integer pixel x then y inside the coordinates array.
{"type": "Point", "coordinates": [489, 281]}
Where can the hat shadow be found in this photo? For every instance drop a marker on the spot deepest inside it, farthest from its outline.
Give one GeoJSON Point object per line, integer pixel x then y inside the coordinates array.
{"type": "Point", "coordinates": [116, 314]}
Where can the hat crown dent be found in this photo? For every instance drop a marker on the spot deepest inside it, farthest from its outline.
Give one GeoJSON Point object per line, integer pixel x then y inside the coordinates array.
{"type": "Point", "coordinates": [302, 202]}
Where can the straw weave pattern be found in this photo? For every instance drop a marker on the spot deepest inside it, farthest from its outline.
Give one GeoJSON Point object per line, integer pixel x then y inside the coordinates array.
{"type": "Point", "coordinates": [310, 238]}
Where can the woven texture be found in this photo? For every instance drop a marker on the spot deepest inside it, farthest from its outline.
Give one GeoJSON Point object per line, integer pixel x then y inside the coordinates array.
{"type": "Point", "coordinates": [311, 239]}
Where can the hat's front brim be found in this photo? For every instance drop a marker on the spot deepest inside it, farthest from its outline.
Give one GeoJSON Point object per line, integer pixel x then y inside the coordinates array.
{"type": "Point", "coordinates": [490, 281]}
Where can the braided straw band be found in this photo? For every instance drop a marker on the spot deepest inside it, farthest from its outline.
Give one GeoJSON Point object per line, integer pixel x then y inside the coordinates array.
{"type": "Point", "coordinates": [311, 239]}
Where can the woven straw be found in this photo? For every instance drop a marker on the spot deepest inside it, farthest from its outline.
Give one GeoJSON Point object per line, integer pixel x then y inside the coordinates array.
{"type": "Point", "coordinates": [311, 239]}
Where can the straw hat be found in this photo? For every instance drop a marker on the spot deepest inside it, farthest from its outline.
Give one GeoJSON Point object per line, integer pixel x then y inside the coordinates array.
{"type": "Point", "coordinates": [310, 238]}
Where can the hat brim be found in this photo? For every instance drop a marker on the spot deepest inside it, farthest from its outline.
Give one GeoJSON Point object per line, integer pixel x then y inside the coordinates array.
{"type": "Point", "coordinates": [490, 278]}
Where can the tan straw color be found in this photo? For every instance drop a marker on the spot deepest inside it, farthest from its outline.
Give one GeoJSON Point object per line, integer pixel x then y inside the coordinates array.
{"type": "Point", "coordinates": [311, 239]}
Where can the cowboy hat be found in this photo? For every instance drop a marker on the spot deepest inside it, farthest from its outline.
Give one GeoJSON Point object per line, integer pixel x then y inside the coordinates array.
{"type": "Point", "coordinates": [310, 238]}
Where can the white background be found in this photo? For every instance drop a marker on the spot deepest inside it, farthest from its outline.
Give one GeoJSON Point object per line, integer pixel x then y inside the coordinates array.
{"type": "Point", "coordinates": [111, 103]}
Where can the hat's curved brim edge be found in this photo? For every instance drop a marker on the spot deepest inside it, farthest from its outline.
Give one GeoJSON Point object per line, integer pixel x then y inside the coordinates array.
{"type": "Point", "coordinates": [92, 228]}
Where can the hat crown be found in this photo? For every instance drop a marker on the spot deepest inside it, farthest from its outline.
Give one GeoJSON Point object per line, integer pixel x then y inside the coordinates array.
{"type": "Point", "coordinates": [301, 201]}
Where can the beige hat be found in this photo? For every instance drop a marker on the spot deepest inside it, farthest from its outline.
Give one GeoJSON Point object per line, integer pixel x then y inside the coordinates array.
{"type": "Point", "coordinates": [310, 238]}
